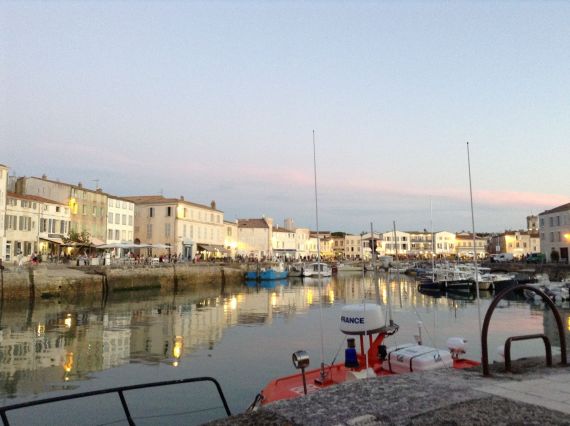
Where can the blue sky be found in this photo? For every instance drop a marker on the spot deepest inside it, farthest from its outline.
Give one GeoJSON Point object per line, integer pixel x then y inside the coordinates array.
{"type": "Point", "coordinates": [218, 100]}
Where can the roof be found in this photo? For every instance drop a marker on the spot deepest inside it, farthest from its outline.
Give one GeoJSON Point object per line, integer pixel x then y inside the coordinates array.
{"type": "Point", "coordinates": [32, 198]}
{"type": "Point", "coordinates": [79, 186]}
{"type": "Point", "coordinates": [160, 199]}
{"type": "Point", "coordinates": [562, 208]}
{"type": "Point", "coordinates": [252, 223]}
{"type": "Point", "coordinates": [281, 229]}
{"type": "Point", "coordinates": [466, 236]}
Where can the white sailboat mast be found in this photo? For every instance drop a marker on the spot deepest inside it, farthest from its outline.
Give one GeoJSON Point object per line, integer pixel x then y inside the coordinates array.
{"type": "Point", "coordinates": [474, 245]}
{"type": "Point", "coordinates": [319, 264]}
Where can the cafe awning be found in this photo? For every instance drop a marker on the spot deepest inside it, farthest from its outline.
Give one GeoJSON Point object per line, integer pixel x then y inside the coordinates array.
{"type": "Point", "coordinates": [53, 240]}
{"type": "Point", "coordinates": [213, 248]}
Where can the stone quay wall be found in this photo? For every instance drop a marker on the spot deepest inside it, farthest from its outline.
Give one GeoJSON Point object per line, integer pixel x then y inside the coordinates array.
{"type": "Point", "coordinates": [74, 283]}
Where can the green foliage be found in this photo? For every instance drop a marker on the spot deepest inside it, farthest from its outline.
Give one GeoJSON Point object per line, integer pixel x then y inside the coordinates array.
{"type": "Point", "coordinates": [81, 238]}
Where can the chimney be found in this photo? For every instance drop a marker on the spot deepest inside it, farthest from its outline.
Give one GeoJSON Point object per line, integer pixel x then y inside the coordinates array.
{"type": "Point", "coordinates": [44, 176]}
{"type": "Point", "coordinates": [181, 198]}
{"type": "Point", "coordinates": [213, 205]}
{"type": "Point", "coordinates": [80, 185]}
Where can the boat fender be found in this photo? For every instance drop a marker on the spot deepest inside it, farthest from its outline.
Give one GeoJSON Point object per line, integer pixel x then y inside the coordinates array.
{"type": "Point", "coordinates": [456, 346]}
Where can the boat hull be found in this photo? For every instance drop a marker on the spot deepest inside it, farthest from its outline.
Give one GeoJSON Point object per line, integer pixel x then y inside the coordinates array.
{"type": "Point", "coordinates": [271, 274]}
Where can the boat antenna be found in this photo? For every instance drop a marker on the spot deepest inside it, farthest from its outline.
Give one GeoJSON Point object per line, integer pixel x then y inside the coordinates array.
{"type": "Point", "coordinates": [375, 275]}
{"type": "Point", "coordinates": [432, 240]}
{"type": "Point", "coordinates": [474, 247]}
{"type": "Point", "coordinates": [322, 374]}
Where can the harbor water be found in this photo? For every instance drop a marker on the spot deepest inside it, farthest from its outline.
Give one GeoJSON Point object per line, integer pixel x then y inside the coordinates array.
{"type": "Point", "coordinates": [243, 335]}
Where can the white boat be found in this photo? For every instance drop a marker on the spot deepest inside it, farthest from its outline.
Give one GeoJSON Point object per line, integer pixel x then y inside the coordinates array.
{"type": "Point", "coordinates": [296, 269]}
{"type": "Point", "coordinates": [350, 267]}
{"type": "Point", "coordinates": [317, 269]}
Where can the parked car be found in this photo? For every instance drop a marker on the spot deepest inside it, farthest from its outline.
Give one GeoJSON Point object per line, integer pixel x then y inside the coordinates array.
{"type": "Point", "coordinates": [502, 257]}
{"type": "Point", "coordinates": [536, 258]}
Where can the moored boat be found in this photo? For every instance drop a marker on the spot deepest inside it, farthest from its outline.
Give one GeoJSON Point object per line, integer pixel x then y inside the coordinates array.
{"type": "Point", "coordinates": [358, 321]}
{"type": "Point", "coordinates": [317, 269]}
{"type": "Point", "coordinates": [277, 272]}
{"type": "Point", "coordinates": [296, 269]}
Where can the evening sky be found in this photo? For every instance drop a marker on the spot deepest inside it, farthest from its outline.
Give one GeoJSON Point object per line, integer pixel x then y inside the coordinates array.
{"type": "Point", "coordinates": [218, 101]}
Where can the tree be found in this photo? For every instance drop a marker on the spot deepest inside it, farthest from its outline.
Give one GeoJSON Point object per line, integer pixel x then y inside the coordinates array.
{"type": "Point", "coordinates": [83, 238]}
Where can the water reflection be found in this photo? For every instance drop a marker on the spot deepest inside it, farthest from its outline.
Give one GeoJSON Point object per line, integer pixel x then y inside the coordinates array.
{"type": "Point", "coordinates": [44, 347]}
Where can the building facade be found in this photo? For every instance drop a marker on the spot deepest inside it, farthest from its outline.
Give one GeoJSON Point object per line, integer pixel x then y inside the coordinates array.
{"type": "Point", "coordinates": [464, 246]}
{"type": "Point", "coordinates": [255, 238]}
{"type": "Point", "coordinates": [554, 227]}
{"type": "Point", "coordinates": [352, 247]}
{"type": "Point", "coordinates": [283, 243]}
{"type": "Point", "coordinates": [518, 243]}
{"type": "Point", "coordinates": [186, 229]}
{"type": "Point", "coordinates": [3, 192]}
{"type": "Point", "coordinates": [120, 220]}
{"type": "Point", "coordinates": [88, 207]}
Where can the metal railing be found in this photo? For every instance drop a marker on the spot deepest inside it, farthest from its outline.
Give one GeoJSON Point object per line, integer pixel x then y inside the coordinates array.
{"type": "Point", "coordinates": [120, 391]}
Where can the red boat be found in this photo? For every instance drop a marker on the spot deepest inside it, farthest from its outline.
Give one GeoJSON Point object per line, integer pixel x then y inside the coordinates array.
{"type": "Point", "coordinates": [365, 320]}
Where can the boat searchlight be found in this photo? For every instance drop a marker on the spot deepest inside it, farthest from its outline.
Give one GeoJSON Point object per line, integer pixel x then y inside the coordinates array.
{"type": "Point", "coordinates": [301, 361]}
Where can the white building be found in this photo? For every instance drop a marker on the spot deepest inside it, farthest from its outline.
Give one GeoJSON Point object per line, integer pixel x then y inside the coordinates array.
{"type": "Point", "coordinates": [554, 228]}
{"type": "Point", "coordinates": [353, 246]}
{"type": "Point", "coordinates": [255, 238]}
{"type": "Point", "coordinates": [120, 220]}
{"type": "Point", "coordinates": [283, 243]}
{"type": "Point", "coordinates": [302, 241]}
{"type": "Point", "coordinates": [444, 243]}
{"type": "Point", "coordinates": [3, 191]}
{"type": "Point", "coordinates": [34, 225]}
{"type": "Point", "coordinates": [397, 242]}
{"type": "Point", "coordinates": [231, 237]}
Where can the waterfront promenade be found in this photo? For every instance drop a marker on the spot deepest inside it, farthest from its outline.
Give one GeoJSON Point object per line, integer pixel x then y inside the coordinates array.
{"type": "Point", "coordinates": [532, 395]}
{"type": "Point", "coordinates": [71, 282]}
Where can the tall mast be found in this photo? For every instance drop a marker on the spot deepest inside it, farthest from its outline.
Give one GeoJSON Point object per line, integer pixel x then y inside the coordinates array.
{"type": "Point", "coordinates": [322, 374]}
{"type": "Point", "coordinates": [474, 246]}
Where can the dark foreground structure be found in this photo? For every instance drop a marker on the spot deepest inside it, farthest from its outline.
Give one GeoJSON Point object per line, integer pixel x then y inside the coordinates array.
{"type": "Point", "coordinates": [532, 394]}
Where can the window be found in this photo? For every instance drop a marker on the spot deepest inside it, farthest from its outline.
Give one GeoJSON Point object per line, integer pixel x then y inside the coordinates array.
{"type": "Point", "coordinates": [94, 211]}
{"type": "Point", "coordinates": [167, 230]}
{"type": "Point", "coordinates": [110, 234]}
{"type": "Point", "coordinates": [149, 230]}
{"type": "Point", "coordinates": [110, 218]}
{"type": "Point", "coordinates": [551, 220]}
{"type": "Point", "coordinates": [130, 220]}
{"type": "Point", "coordinates": [43, 225]}
{"type": "Point", "coordinates": [57, 209]}
{"type": "Point", "coordinates": [151, 212]}
{"type": "Point", "coordinates": [184, 212]}
{"type": "Point", "coordinates": [117, 204]}
{"type": "Point", "coordinates": [169, 211]}
{"type": "Point", "coordinates": [124, 219]}
{"type": "Point", "coordinates": [117, 219]}
{"type": "Point", "coordinates": [123, 235]}
{"type": "Point", "coordinates": [117, 234]}
{"type": "Point", "coordinates": [62, 229]}
{"type": "Point", "coordinates": [541, 221]}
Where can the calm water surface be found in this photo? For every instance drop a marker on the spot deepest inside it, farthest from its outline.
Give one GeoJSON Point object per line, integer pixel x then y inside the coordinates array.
{"type": "Point", "coordinates": [241, 335]}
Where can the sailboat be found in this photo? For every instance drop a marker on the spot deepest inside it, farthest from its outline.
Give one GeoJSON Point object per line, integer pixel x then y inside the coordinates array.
{"type": "Point", "coordinates": [363, 322]}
